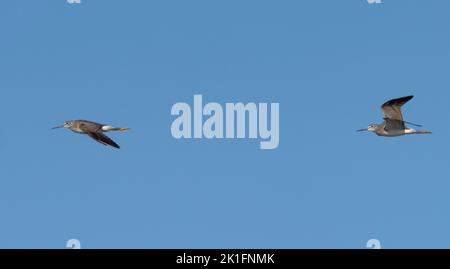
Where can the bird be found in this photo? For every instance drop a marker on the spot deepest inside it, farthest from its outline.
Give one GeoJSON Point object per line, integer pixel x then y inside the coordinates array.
{"type": "Point", "coordinates": [93, 130]}
{"type": "Point", "coordinates": [393, 124]}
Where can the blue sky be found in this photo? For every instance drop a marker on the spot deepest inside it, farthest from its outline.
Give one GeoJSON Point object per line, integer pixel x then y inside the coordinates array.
{"type": "Point", "coordinates": [330, 64]}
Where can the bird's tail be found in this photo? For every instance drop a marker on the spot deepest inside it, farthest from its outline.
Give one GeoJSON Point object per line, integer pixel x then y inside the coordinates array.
{"type": "Point", "coordinates": [423, 132]}
{"type": "Point", "coordinates": [108, 128]}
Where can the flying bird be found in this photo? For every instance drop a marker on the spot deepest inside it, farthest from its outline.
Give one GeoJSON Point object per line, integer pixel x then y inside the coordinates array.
{"type": "Point", "coordinates": [93, 130]}
{"type": "Point", "coordinates": [393, 124]}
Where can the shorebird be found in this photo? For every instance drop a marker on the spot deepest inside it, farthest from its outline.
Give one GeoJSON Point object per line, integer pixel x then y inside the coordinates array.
{"type": "Point", "coordinates": [393, 124]}
{"type": "Point", "coordinates": [93, 130]}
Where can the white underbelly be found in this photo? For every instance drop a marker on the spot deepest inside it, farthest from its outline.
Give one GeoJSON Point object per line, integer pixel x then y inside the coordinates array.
{"type": "Point", "coordinates": [393, 133]}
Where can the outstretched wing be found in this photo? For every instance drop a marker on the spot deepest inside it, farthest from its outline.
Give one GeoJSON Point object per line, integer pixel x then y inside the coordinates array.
{"type": "Point", "coordinates": [101, 138]}
{"type": "Point", "coordinates": [392, 108]}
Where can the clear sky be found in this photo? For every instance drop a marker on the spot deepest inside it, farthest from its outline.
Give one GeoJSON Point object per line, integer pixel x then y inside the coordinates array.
{"type": "Point", "coordinates": [330, 64]}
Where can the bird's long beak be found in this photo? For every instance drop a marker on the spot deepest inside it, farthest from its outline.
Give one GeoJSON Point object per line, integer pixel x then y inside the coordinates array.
{"type": "Point", "coordinates": [362, 130]}
{"type": "Point", "coordinates": [56, 127]}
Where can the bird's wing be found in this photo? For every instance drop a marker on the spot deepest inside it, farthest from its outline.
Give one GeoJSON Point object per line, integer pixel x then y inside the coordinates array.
{"type": "Point", "coordinates": [101, 138]}
{"type": "Point", "coordinates": [89, 126]}
{"type": "Point", "coordinates": [391, 125]}
{"type": "Point", "coordinates": [392, 108]}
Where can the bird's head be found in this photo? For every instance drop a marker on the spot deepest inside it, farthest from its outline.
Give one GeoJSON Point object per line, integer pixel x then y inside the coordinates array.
{"type": "Point", "coordinates": [371, 128]}
{"type": "Point", "coordinates": [66, 124]}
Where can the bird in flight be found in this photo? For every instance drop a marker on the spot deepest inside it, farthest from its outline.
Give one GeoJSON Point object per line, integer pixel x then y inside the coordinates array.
{"type": "Point", "coordinates": [393, 124]}
{"type": "Point", "coordinates": [93, 130]}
